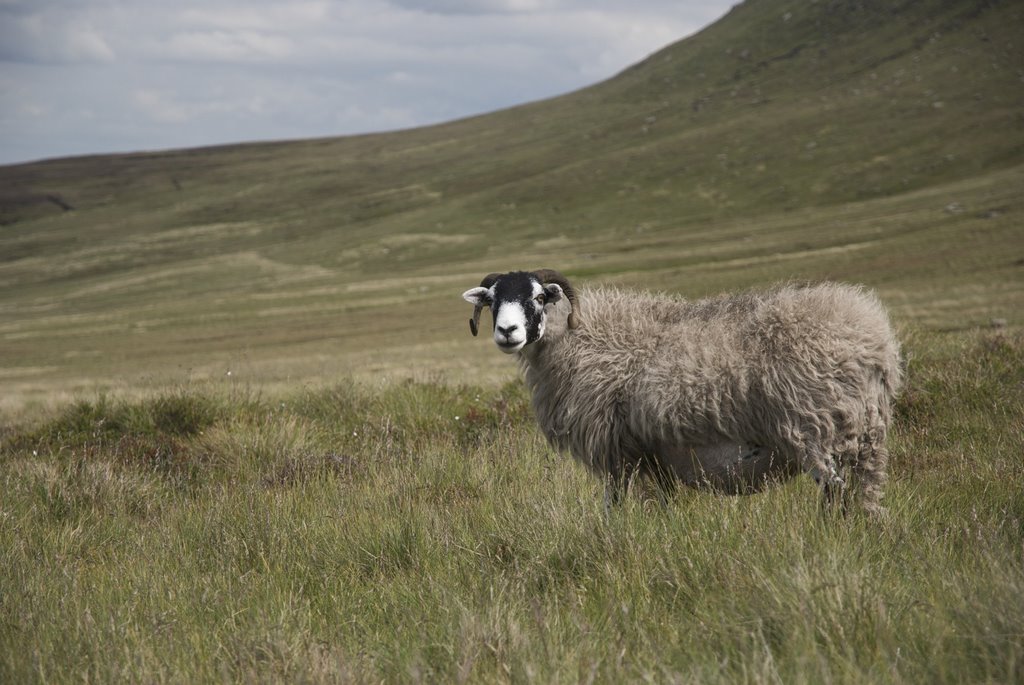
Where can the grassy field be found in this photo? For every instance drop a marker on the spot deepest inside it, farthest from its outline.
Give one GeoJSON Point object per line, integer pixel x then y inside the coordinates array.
{"type": "Point", "coordinates": [245, 434]}
{"type": "Point", "coordinates": [424, 532]}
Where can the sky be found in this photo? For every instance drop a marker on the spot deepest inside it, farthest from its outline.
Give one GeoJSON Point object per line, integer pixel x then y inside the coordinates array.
{"type": "Point", "coordinates": [99, 76]}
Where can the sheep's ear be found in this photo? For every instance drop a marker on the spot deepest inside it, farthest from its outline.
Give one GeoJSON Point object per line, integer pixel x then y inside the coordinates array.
{"type": "Point", "coordinates": [553, 292]}
{"type": "Point", "coordinates": [479, 296]}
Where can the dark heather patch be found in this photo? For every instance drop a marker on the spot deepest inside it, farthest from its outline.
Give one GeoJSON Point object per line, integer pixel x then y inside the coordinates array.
{"type": "Point", "coordinates": [518, 287]}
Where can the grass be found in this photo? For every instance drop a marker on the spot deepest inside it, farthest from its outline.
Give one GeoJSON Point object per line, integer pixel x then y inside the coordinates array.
{"type": "Point", "coordinates": [424, 532]}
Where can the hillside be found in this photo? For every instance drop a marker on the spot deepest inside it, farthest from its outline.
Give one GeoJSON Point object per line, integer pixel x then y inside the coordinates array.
{"type": "Point", "coordinates": [873, 142]}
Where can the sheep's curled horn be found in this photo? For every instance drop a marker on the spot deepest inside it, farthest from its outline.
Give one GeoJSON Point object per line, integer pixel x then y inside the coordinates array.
{"type": "Point", "coordinates": [545, 276]}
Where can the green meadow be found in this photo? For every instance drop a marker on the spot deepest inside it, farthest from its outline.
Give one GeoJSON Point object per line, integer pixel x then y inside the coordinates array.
{"type": "Point", "coordinates": [245, 434]}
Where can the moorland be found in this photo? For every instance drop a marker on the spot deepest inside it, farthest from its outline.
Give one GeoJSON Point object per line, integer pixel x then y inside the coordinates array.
{"type": "Point", "coordinates": [246, 435]}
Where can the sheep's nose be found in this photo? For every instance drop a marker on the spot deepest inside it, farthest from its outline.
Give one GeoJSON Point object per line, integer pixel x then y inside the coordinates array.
{"type": "Point", "coordinates": [507, 330]}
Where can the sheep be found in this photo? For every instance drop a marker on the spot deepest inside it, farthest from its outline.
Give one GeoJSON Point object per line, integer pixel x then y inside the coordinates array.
{"type": "Point", "coordinates": [730, 392]}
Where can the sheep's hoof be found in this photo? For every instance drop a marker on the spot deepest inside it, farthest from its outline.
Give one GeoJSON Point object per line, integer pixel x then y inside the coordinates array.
{"type": "Point", "coordinates": [875, 511]}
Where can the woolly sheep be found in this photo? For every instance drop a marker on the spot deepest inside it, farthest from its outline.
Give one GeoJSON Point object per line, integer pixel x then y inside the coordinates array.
{"type": "Point", "coordinates": [729, 392]}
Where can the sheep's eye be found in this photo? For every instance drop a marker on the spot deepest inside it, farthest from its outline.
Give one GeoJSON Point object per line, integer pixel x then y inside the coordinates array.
{"type": "Point", "coordinates": [539, 300]}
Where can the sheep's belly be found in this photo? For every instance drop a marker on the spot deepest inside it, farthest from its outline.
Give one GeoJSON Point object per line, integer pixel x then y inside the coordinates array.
{"type": "Point", "coordinates": [729, 466]}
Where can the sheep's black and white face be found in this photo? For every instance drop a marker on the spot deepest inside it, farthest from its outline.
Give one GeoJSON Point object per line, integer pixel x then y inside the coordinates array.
{"type": "Point", "coordinates": [517, 302]}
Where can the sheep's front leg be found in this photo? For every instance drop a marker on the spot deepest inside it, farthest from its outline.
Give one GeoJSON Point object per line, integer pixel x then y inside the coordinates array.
{"type": "Point", "coordinates": [614, 483]}
{"type": "Point", "coordinates": [614, 489]}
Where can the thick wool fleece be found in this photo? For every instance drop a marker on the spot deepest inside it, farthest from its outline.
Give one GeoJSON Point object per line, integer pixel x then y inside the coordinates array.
{"type": "Point", "coordinates": [807, 371]}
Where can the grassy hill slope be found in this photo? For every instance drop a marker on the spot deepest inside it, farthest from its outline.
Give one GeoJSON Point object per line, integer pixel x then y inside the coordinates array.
{"type": "Point", "coordinates": [868, 141]}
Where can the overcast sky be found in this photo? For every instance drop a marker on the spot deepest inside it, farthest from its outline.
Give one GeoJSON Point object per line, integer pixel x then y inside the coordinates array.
{"type": "Point", "coordinates": [88, 76]}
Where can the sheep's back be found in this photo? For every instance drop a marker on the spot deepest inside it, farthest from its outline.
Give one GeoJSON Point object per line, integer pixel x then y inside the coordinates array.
{"type": "Point", "coordinates": [736, 367]}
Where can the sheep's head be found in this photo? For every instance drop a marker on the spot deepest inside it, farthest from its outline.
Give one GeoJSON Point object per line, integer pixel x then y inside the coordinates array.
{"type": "Point", "coordinates": [518, 302]}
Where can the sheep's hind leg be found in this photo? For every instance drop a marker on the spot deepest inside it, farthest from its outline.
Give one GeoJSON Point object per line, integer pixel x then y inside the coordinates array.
{"type": "Point", "coordinates": [835, 495]}
{"type": "Point", "coordinates": [822, 467]}
{"type": "Point", "coordinates": [870, 470]}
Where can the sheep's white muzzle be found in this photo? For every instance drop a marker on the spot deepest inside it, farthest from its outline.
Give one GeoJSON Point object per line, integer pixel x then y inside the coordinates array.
{"type": "Point", "coordinates": [507, 346]}
{"type": "Point", "coordinates": [510, 328]}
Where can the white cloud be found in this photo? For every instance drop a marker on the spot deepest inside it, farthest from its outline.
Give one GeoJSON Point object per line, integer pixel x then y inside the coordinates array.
{"type": "Point", "coordinates": [85, 43]}
{"type": "Point", "coordinates": [228, 46]}
{"type": "Point", "coordinates": [50, 38]}
{"type": "Point", "coordinates": [477, 7]}
{"type": "Point", "coordinates": [277, 16]}
{"type": "Point", "coordinates": [161, 107]}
